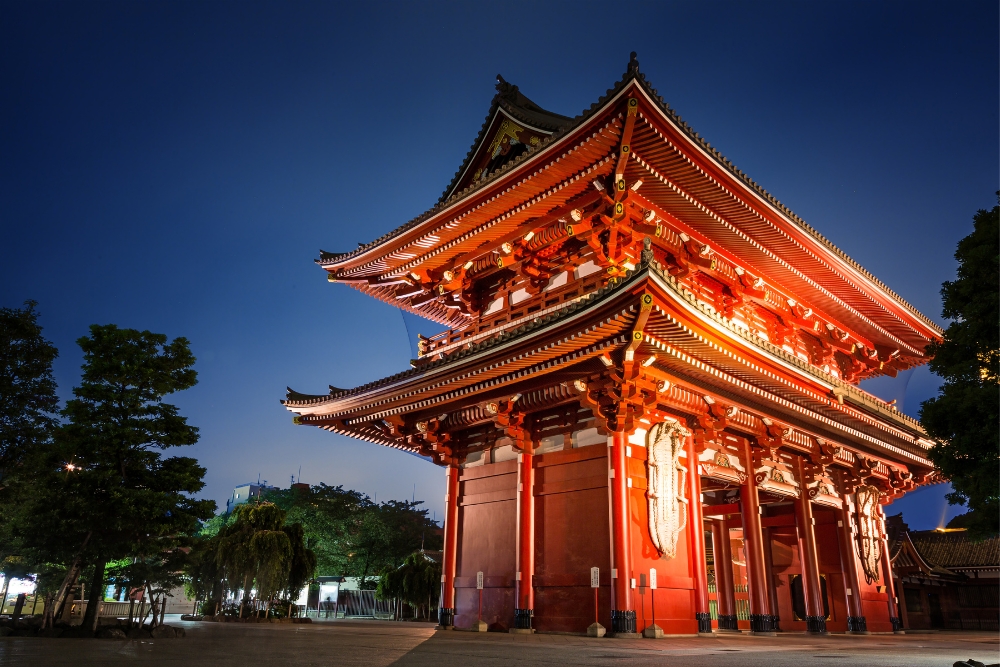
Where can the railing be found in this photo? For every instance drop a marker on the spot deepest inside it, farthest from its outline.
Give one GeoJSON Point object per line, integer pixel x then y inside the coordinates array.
{"type": "Point", "coordinates": [106, 610]}
{"type": "Point", "coordinates": [362, 604]}
{"type": "Point", "coordinates": [518, 314]}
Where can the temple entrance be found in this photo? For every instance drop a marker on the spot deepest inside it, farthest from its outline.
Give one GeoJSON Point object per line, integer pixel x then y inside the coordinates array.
{"type": "Point", "coordinates": [799, 600]}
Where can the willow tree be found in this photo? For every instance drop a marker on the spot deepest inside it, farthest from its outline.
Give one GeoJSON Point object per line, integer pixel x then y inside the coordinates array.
{"type": "Point", "coordinates": [414, 582]}
{"type": "Point", "coordinates": [259, 552]}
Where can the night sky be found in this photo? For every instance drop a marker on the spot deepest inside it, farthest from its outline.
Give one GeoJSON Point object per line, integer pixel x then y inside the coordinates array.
{"type": "Point", "coordinates": [177, 167]}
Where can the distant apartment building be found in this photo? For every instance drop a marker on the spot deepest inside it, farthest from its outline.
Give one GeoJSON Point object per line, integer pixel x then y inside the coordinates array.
{"type": "Point", "coordinates": [246, 492]}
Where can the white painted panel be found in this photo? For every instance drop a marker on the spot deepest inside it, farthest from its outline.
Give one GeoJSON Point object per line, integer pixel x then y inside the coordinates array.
{"type": "Point", "coordinates": [474, 459]}
{"type": "Point", "coordinates": [505, 453]}
{"type": "Point", "coordinates": [519, 296]}
{"type": "Point", "coordinates": [496, 306]}
{"type": "Point", "coordinates": [552, 443]}
{"type": "Point", "coordinates": [557, 280]}
{"type": "Point", "coordinates": [587, 437]}
{"type": "Point", "coordinates": [586, 269]}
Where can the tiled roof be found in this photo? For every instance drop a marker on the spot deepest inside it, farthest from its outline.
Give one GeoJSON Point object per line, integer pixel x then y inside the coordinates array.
{"type": "Point", "coordinates": [644, 267]}
{"type": "Point", "coordinates": [421, 366]}
{"type": "Point", "coordinates": [632, 73]}
{"type": "Point", "coordinates": [954, 549]}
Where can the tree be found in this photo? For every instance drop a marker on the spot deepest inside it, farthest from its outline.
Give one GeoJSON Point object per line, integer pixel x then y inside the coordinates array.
{"type": "Point", "coordinates": [28, 403]}
{"type": "Point", "coordinates": [258, 551]}
{"type": "Point", "coordinates": [108, 486]}
{"type": "Point", "coordinates": [351, 535]}
{"type": "Point", "coordinates": [415, 582]}
{"type": "Point", "coordinates": [964, 418]}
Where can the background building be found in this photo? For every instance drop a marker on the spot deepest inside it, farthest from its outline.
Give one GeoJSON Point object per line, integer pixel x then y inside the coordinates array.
{"type": "Point", "coordinates": [945, 580]}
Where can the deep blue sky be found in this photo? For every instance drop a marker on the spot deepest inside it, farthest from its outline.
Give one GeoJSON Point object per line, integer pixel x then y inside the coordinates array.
{"type": "Point", "coordinates": [176, 167]}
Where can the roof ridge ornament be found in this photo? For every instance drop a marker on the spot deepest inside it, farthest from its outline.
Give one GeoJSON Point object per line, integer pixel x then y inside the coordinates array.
{"type": "Point", "coordinates": [505, 89]}
{"type": "Point", "coordinates": [633, 63]}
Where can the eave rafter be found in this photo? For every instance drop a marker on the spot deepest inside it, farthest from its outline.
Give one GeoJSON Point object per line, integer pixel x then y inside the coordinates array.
{"type": "Point", "coordinates": [517, 364]}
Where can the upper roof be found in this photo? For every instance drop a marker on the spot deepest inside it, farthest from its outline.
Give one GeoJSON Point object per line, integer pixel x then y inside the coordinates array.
{"type": "Point", "coordinates": [729, 205]}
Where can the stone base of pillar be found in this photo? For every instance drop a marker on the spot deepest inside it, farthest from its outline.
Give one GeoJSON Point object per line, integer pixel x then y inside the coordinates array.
{"type": "Point", "coordinates": [653, 632]}
{"type": "Point", "coordinates": [763, 624]}
{"type": "Point", "coordinates": [480, 626]}
{"type": "Point", "coordinates": [729, 623]}
{"type": "Point", "coordinates": [704, 622]}
{"type": "Point", "coordinates": [623, 624]}
{"type": "Point", "coordinates": [596, 630]}
{"type": "Point", "coordinates": [446, 618]}
{"type": "Point", "coordinates": [857, 625]}
{"type": "Point", "coordinates": [815, 625]}
{"type": "Point", "coordinates": [897, 625]}
{"type": "Point", "coordinates": [522, 619]}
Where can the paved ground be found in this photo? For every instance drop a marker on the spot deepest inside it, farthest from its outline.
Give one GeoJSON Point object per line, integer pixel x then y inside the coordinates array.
{"type": "Point", "coordinates": [385, 644]}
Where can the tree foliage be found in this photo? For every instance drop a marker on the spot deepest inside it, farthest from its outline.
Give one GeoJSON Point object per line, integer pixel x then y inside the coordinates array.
{"type": "Point", "coordinates": [965, 417]}
{"type": "Point", "coordinates": [103, 481]}
{"type": "Point", "coordinates": [353, 536]}
{"type": "Point", "coordinates": [257, 550]}
{"type": "Point", "coordinates": [28, 403]}
{"type": "Point", "coordinates": [415, 582]}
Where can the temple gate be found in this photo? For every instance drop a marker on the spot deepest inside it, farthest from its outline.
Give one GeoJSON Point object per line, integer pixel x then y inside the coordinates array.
{"type": "Point", "coordinates": [651, 368]}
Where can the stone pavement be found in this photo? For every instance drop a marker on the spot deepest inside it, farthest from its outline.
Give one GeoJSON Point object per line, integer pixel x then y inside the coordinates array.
{"type": "Point", "coordinates": [388, 644]}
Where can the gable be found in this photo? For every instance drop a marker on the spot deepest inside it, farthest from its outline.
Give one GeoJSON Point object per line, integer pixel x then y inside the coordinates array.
{"type": "Point", "coordinates": [514, 125]}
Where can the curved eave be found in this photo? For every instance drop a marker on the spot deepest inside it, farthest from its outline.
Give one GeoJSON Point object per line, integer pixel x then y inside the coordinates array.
{"type": "Point", "coordinates": [784, 220]}
{"type": "Point", "coordinates": [807, 394]}
{"type": "Point", "coordinates": [809, 375]}
{"type": "Point", "coordinates": [710, 158]}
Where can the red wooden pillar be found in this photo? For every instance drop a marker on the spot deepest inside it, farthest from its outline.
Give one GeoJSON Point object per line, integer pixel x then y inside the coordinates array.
{"type": "Point", "coordinates": [890, 587]}
{"type": "Point", "coordinates": [623, 615]}
{"type": "Point", "coordinates": [524, 609]}
{"type": "Point", "coordinates": [856, 622]}
{"type": "Point", "coordinates": [723, 556]}
{"type": "Point", "coordinates": [761, 619]}
{"type": "Point", "coordinates": [450, 557]}
{"type": "Point", "coordinates": [772, 591]}
{"type": "Point", "coordinates": [697, 529]}
{"type": "Point", "coordinates": [809, 558]}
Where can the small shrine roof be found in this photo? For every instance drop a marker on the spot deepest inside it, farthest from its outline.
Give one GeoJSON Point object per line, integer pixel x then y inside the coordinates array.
{"type": "Point", "coordinates": [953, 548]}
{"type": "Point", "coordinates": [947, 553]}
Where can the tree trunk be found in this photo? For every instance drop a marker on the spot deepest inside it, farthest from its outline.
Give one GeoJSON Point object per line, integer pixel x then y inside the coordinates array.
{"type": "Point", "coordinates": [163, 609]}
{"type": "Point", "coordinates": [131, 609]}
{"type": "Point", "coordinates": [6, 586]}
{"type": "Point", "coordinates": [68, 580]}
{"type": "Point", "coordinates": [90, 619]}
